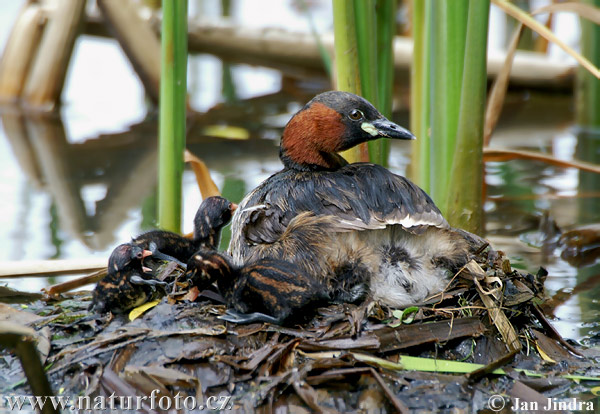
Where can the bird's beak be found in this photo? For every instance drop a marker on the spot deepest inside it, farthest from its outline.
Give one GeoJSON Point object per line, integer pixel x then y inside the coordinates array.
{"type": "Point", "coordinates": [383, 128]}
{"type": "Point", "coordinates": [146, 253]}
{"type": "Point", "coordinates": [233, 207]}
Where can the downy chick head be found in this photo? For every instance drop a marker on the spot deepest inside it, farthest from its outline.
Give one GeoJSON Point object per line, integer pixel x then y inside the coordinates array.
{"type": "Point", "coordinates": [127, 256]}
{"type": "Point", "coordinates": [207, 266]}
{"type": "Point", "coordinates": [213, 214]}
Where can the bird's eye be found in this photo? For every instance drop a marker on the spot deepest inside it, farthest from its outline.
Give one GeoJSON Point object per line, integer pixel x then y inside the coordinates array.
{"type": "Point", "coordinates": [355, 115]}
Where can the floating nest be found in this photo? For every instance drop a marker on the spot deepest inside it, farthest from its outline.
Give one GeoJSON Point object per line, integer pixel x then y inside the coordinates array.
{"type": "Point", "coordinates": [485, 336]}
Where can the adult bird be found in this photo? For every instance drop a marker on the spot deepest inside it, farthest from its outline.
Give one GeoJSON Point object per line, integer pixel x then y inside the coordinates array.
{"type": "Point", "coordinates": [357, 228]}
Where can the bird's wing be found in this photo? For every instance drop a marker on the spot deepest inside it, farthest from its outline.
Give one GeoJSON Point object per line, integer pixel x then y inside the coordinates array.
{"type": "Point", "coordinates": [358, 197]}
{"type": "Point", "coordinates": [368, 196]}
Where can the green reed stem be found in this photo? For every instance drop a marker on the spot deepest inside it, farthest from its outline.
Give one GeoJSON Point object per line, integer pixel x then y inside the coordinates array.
{"type": "Point", "coordinates": [346, 58]}
{"type": "Point", "coordinates": [172, 113]}
{"type": "Point", "coordinates": [588, 86]}
{"type": "Point", "coordinates": [465, 209]}
{"type": "Point", "coordinates": [420, 122]}
{"type": "Point", "coordinates": [366, 43]}
{"type": "Point", "coordinates": [449, 23]}
{"type": "Point", "coordinates": [386, 29]}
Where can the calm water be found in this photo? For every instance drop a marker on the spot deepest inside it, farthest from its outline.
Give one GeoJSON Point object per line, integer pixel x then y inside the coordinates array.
{"type": "Point", "coordinates": [76, 186]}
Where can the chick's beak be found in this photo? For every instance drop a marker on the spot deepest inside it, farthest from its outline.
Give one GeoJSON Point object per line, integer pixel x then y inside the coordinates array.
{"type": "Point", "coordinates": [146, 253]}
{"type": "Point", "coordinates": [383, 128]}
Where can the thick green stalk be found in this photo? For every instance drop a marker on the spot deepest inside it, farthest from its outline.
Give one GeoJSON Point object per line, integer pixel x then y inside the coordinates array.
{"type": "Point", "coordinates": [449, 22]}
{"type": "Point", "coordinates": [588, 86]}
{"type": "Point", "coordinates": [386, 28]}
{"type": "Point", "coordinates": [420, 94]}
{"type": "Point", "coordinates": [366, 43]}
{"type": "Point", "coordinates": [172, 113]}
{"type": "Point", "coordinates": [588, 119]}
{"type": "Point", "coordinates": [346, 58]}
{"type": "Point", "coordinates": [465, 208]}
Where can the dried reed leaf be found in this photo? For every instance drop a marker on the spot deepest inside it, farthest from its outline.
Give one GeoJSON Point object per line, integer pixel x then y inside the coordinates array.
{"type": "Point", "coordinates": [500, 320]}
{"type": "Point", "coordinates": [587, 11]}
{"type": "Point", "coordinates": [120, 358]}
{"type": "Point", "coordinates": [471, 271]}
{"type": "Point", "coordinates": [207, 186]}
{"type": "Point", "coordinates": [542, 30]}
{"type": "Point", "coordinates": [498, 91]}
{"type": "Point", "coordinates": [191, 295]}
{"type": "Point", "coordinates": [494, 154]}
{"type": "Point", "coordinates": [50, 267]}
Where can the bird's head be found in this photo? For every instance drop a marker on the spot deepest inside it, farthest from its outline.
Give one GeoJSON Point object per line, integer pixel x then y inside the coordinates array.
{"type": "Point", "coordinates": [331, 122]}
{"type": "Point", "coordinates": [126, 256]}
{"type": "Point", "coordinates": [207, 266]}
{"type": "Point", "coordinates": [212, 215]}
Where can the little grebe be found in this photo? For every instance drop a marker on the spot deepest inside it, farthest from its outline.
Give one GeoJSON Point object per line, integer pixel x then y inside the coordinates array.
{"type": "Point", "coordinates": [355, 228]}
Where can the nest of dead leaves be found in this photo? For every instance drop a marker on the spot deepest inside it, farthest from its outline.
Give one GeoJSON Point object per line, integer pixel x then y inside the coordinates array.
{"type": "Point", "coordinates": [347, 358]}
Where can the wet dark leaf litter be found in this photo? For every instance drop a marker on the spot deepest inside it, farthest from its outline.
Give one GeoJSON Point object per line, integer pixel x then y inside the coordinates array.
{"type": "Point", "coordinates": [346, 359]}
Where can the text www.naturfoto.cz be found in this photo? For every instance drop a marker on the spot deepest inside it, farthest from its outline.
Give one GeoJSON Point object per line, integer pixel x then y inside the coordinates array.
{"type": "Point", "coordinates": [14, 403]}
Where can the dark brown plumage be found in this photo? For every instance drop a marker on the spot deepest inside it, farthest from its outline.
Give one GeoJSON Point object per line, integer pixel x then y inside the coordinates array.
{"type": "Point", "coordinates": [268, 290]}
{"type": "Point", "coordinates": [383, 234]}
{"type": "Point", "coordinates": [212, 215]}
{"type": "Point", "coordinates": [129, 282]}
{"type": "Point", "coordinates": [126, 285]}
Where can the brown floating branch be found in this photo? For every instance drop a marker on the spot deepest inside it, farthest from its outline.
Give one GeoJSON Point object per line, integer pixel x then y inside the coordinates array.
{"type": "Point", "coordinates": [587, 11]}
{"type": "Point", "coordinates": [298, 52]}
